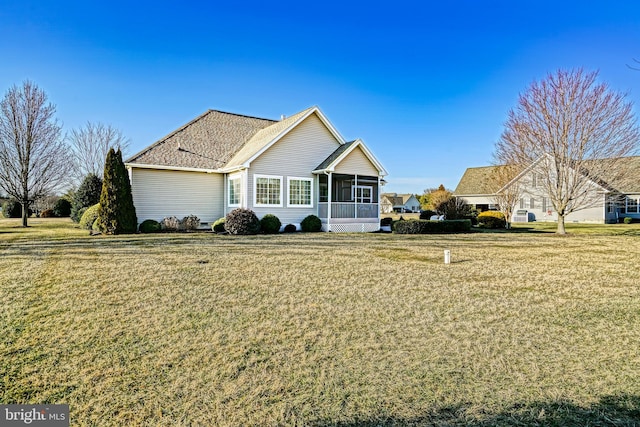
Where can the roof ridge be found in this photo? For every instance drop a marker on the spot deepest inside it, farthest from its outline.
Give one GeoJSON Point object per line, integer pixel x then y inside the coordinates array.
{"type": "Point", "coordinates": [242, 115]}
{"type": "Point", "coordinates": [186, 125]}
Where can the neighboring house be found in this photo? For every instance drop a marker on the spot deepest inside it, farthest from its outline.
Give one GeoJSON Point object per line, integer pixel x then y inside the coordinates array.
{"type": "Point", "coordinates": [291, 168]}
{"type": "Point", "coordinates": [393, 202]}
{"type": "Point", "coordinates": [609, 199]}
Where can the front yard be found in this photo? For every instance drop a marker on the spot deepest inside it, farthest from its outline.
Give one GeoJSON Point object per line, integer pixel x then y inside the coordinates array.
{"type": "Point", "coordinates": [323, 329]}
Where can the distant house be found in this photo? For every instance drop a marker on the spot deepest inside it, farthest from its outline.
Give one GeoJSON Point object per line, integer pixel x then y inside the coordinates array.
{"type": "Point", "coordinates": [291, 168]}
{"type": "Point", "coordinates": [393, 202]}
{"type": "Point", "coordinates": [609, 199]}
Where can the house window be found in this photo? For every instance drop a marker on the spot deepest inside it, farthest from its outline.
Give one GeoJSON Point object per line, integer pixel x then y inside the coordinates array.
{"type": "Point", "coordinates": [521, 203]}
{"type": "Point", "coordinates": [267, 190]}
{"type": "Point", "coordinates": [632, 205]}
{"type": "Point", "coordinates": [532, 203]}
{"type": "Point", "coordinates": [362, 193]}
{"type": "Point", "coordinates": [235, 190]}
{"type": "Point", "coordinates": [300, 191]}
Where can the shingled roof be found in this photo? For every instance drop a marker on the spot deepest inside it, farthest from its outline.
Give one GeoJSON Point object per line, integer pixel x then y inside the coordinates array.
{"type": "Point", "coordinates": [207, 142]}
{"type": "Point", "coordinates": [476, 181]}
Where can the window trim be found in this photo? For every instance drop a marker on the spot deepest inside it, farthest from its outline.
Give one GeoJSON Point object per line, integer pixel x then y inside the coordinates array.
{"type": "Point", "coordinates": [230, 178]}
{"type": "Point", "coordinates": [255, 191]}
{"type": "Point", "coordinates": [298, 178]}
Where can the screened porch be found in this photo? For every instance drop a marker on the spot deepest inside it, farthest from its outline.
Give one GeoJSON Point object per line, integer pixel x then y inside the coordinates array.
{"type": "Point", "coordinates": [344, 196]}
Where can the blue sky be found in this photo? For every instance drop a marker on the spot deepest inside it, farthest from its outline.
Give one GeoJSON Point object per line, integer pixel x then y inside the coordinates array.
{"type": "Point", "coordinates": [426, 85]}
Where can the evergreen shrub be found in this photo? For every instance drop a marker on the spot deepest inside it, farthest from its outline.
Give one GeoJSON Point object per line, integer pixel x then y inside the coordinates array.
{"type": "Point", "coordinates": [12, 209]}
{"type": "Point", "coordinates": [88, 194]}
{"type": "Point", "coordinates": [311, 224]}
{"type": "Point", "coordinates": [89, 217]}
{"type": "Point", "coordinates": [117, 214]}
{"type": "Point", "coordinates": [150, 226]}
{"type": "Point", "coordinates": [627, 220]}
{"type": "Point", "coordinates": [290, 228]}
{"type": "Point", "coordinates": [62, 208]}
{"type": "Point", "coordinates": [270, 224]}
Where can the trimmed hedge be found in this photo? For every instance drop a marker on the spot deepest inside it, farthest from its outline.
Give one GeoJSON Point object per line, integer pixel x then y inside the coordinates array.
{"type": "Point", "coordinates": [491, 219]}
{"type": "Point", "coordinates": [421, 226]}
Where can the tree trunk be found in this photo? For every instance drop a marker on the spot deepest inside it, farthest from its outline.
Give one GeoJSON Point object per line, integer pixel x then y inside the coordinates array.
{"type": "Point", "coordinates": [25, 213]}
{"type": "Point", "coordinates": [561, 229]}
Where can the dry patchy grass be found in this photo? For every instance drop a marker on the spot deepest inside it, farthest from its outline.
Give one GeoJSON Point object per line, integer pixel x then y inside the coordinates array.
{"type": "Point", "coordinates": [321, 329]}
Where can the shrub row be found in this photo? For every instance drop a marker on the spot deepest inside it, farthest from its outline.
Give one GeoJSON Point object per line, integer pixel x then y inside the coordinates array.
{"type": "Point", "coordinates": [244, 221]}
{"type": "Point", "coordinates": [420, 226]}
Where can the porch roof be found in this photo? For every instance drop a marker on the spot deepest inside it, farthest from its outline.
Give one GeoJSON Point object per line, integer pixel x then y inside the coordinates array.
{"type": "Point", "coordinates": [329, 164]}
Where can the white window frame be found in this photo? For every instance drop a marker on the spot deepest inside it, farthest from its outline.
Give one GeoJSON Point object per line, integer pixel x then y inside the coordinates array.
{"type": "Point", "coordinates": [255, 191]}
{"type": "Point", "coordinates": [230, 178]}
{"type": "Point", "coordinates": [294, 205]}
{"type": "Point", "coordinates": [354, 193]}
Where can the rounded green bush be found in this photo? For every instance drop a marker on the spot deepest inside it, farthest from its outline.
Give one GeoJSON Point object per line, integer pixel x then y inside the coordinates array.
{"type": "Point", "coordinates": [150, 226]}
{"type": "Point", "coordinates": [62, 208]}
{"type": "Point", "coordinates": [290, 228]}
{"type": "Point", "coordinates": [242, 221]}
{"type": "Point", "coordinates": [218, 226]}
{"type": "Point", "coordinates": [311, 224]}
{"type": "Point", "coordinates": [491, 219]}
{"type": "Point", "coordinates": [627, 220]}
{"type": "Point", "coordinates": [89, 217]}
{"type": "Point", "coordinates": [12, 209]}
{"type": "Point", "coordinates": [270, 224]}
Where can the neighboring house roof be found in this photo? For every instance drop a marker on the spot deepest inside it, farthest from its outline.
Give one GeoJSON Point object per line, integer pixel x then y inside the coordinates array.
{"type": "Point", "coordinates": [397, 199]}
{"type": "Point", "coordinates": [476, 181]}
{"type": "Point", "coordinates": [207, 142]}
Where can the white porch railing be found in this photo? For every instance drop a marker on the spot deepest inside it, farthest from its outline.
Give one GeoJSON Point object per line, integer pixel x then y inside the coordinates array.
{"type": "Point", "coordinates": [349, 210]}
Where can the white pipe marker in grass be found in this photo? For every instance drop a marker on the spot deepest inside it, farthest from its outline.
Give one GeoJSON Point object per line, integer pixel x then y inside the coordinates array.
{"type": "Point", "coordinates": [447, 256]}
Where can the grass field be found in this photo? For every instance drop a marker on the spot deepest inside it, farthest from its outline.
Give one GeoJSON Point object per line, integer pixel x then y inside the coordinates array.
{"type": "Point", "coordinates": [522, 328]}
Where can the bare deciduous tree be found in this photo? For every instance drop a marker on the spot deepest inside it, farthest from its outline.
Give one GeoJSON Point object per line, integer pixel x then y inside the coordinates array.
{"type": "Point", "coordinates": [507, 189]}
{"type": "Point", "coordinates": [576, 131]}
{"type": "Point", "coordinates": [34, 159]}
{"type": "Point", "coordinates": [90, 145]}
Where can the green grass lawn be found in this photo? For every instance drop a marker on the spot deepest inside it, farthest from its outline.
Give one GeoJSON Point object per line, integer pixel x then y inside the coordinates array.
{"type": "Point", "coordinates": [522, 328]}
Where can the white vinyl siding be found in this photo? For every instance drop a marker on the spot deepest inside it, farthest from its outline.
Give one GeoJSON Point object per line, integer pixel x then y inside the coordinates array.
{"type": "Point", "coordinates": [295, 155]}
{"type": "Point", "coordinates": [357, 163]}
{"type": "Point", "coordinates": [158, 194]}
{"type": "Point", "coordinates": [300, 192]}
